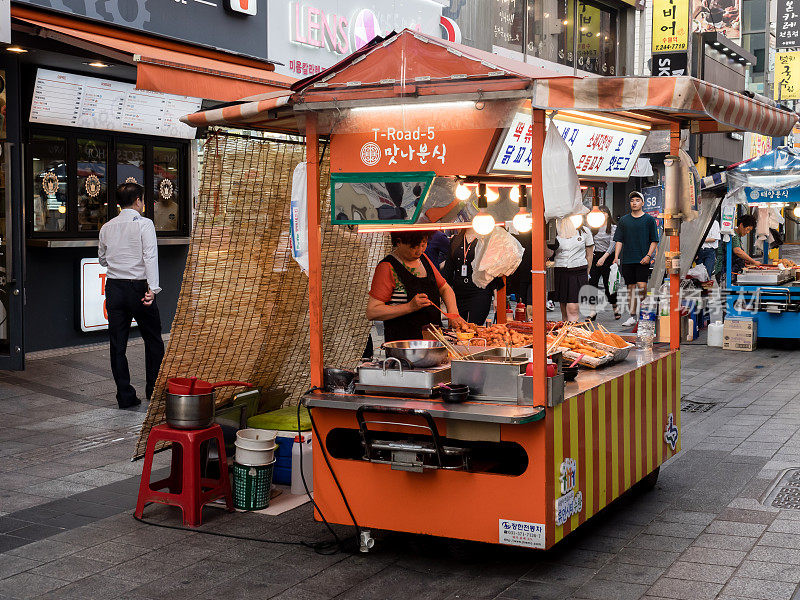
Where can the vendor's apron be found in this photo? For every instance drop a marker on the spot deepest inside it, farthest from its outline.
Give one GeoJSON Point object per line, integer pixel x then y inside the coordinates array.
{"type": "Point", "coordinates": [409, 327]}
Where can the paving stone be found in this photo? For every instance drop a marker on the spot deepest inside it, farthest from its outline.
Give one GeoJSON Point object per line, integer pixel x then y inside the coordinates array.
{"type": "Point", "coordinates": [45, 550]}
{"type": "Point", "coordinates": [70, 568]}
{"type": "Point", "coordinates": [775, 554]}
{"type": "Point", "coordinates": [526, 590]}
{"type": "Point", "coordinates": [724, 542]}
{"type": "Point", "coordinates": [680, 516]}
{"type": "Point", "coordinates": [760, 589]}
{"type": "Point", "coordinates": [685, 590]}
{"type": "Point", "coordinates": [747, 516]}
{"type": "Point", "coordinates": [112, 552]}
{"type": "Point", "coordinates": [638, 556]}
{"type": "Point", "coordinates": [734, 528]}
{"type": "Point", "coordinates": [754, 569]}
{"type": "Point", "coordinates": [599, 589]}
{"type": "Point", "coordinates": [660, 542]}
{"type": "Point", "coordinates": [628, 573]}
{"type": "Point", "coordinates": [28, 585]}
{"type": "Point", "coordinates": [781, 525]}
{"type": "Point", "coordinates": [700, 572]}
{"type": "Point", "coordinates": [713, 556]}
{"type": "Point", "coordinates": [11, 565]}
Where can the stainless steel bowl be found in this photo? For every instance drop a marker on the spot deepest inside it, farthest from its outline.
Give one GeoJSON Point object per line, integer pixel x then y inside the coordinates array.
{"type": "Point", "coordinates": [421, 354]}
{"type": "Point", "coordinates": [190, 412]}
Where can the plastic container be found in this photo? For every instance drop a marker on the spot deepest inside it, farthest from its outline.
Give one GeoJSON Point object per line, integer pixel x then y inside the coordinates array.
{"type": "Point", "coordinates": [251, 486]}
{"type": "Point", "coordinates": [302, 445]}
{"type": "Point", "coordinates": [255, 447]}
{"type": "Point", "coordinates": [715, 334]}
{"type": "Point", "coordinates": [520, 314]}
{"type": "Point", "coordinates": [646, 331]}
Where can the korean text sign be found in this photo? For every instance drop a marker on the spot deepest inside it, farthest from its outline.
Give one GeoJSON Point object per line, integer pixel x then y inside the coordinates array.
{"type": "Point", "coordinates": [787, 28]}
{"type": "Point", "coordinates": [787, 75]}
{"type": "Point", "coordinates": [598, 153]}
{"type": "Point", "coordinates": [670, 25]}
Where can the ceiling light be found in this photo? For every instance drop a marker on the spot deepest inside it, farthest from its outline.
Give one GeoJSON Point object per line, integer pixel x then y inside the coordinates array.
{"type": "Point", "coordinates": [796, 211]}
{"type": "Point", "coordinates": [492, 195]}
{"type": "Point", "coordinates": [577, 220]}
{"type": "Point", "coordinates": [717, 44]}
{"type": "Point", "coordinates": [97, 64]}
{"type": "Point", "coordinates": [483, 223]}
{"type": "Point", "coordinates": [565, 22]}
{"type": "Point", "coordinates": [596, 218]}
{"type": "Point", "coordinates": [463, 192]}
{"type": "Point", "coordinates": [513, 194]}
{"type": "Point", "coordinates": [16, 49]}
{"type": "Point", "coordinates": [522, 221]}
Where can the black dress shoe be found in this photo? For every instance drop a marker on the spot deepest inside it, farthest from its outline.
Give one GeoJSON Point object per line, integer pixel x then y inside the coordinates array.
{"type": "Point", "coordinates": [131, 405]}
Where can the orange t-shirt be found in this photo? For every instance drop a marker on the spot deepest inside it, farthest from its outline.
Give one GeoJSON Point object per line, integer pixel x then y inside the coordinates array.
{"type": "Point", "coordinates": [387, 287]}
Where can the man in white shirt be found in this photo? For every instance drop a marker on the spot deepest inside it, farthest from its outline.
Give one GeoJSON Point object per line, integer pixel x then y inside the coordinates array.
{"type": "Point", "coordinates": [707, 254]}
{"type": "Point", "coordinates": [128, 249]}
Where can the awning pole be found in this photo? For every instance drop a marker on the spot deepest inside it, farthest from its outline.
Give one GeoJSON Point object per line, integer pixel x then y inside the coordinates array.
{"type": "Point", "coordinates": [674, 250]}
{"type": "Point", "coordinates": [538, 278]}
{"type": "Point", "coordinates": [314, 249]}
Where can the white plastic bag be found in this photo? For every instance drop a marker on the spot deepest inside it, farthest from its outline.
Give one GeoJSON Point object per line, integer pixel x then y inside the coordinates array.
{"type": "Point", "coordinates": [698, 272]}
{"type": "Point", "coordinates": [496, 254]}
{"type": "Point", "coordinates": [298, 217]}
{"type": "Point", "coordinates": [560, 186]}
{"type": "Point", "coordinates": [613, 279]}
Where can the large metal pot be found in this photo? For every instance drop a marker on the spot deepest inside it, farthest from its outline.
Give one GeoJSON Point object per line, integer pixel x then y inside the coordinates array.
{"type": "Point", "coordinates": [421, 354]}
{"type": "Point", "coordinates": [195, 411]}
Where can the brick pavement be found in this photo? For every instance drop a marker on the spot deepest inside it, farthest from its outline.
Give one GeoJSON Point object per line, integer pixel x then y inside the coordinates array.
{"type": "Point", "coordinates": [67, 488]}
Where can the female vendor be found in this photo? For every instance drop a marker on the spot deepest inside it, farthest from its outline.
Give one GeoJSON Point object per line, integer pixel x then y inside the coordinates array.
{"type": "Point", "coordinates": [407, 289]}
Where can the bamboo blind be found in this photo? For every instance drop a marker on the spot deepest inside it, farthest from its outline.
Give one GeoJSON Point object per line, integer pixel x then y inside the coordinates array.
{"type": "Point", "coordinates": [243, 307]}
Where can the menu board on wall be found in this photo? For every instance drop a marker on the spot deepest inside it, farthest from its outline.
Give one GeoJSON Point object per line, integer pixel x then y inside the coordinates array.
{"type": "Point", "coordinates": [93, 103]}
{"type": "Point", "coordinates": [598, 152]}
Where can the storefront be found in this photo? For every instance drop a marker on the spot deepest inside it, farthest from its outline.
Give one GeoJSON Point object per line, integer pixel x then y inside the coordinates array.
{"type": "Point", "coordinates": [92, 101]}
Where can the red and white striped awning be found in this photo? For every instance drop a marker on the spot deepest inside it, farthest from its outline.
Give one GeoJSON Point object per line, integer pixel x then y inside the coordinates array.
{"type": "Point", "coordinates": [710, 106]}
{"type": "Point", "coordinates": [247, 114]}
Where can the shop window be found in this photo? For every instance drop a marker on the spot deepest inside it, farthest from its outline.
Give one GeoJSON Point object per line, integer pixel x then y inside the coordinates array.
{"type": "Point", "coordinates": [509, 21]}
{"type": "Point", "coordinates": [597, 37]}
{"type": "Point", "coordinates": [49, 184]}
{"type": "Point", "coordinates": [754, 15]}
{"type": "Point", "coordinates": [166, 211]}
{"type": "Point", "coordinates": [756, 43]}
{"type": "Point", "coordinates": [92, 184]}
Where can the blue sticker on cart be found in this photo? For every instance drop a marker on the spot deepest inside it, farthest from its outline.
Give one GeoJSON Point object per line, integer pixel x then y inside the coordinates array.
{"type": "Point", "coordinates": [671, 434]}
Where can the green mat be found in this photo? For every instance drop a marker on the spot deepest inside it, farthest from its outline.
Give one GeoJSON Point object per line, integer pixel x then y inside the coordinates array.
{"type": "Point", "coordinates": [283, 419]}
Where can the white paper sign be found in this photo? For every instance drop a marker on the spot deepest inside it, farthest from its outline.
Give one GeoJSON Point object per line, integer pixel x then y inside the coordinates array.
{"type": "Point", "coordinates": [598, 152]}
{"type": "Point", "coordinates": [93, 313]}
{"type": "Point", "coordinates": [522, 533]}
{"type": "Point", "coordinates": [80, 101]}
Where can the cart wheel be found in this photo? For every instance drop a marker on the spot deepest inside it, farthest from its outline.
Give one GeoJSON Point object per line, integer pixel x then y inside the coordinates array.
{"type": "Point", "coordinates": [647, 483]}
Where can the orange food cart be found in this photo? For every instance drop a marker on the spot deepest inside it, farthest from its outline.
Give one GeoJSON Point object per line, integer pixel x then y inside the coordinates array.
{"type": "Point", "coordinates": [522, 473]}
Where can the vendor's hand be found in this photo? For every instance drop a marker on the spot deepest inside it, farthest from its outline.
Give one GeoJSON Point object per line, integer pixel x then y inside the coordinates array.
{"type": "Point", "coordinates": [455, 320]}
{"type": "Point", "coordinates": [149, 296]}
{"type": "Point", "coordinates": [419, 301]}
{"type": "Point", "coordinates": [601, 261]}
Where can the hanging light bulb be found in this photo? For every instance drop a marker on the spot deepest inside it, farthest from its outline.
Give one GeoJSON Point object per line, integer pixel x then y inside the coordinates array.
{"type": "Point", "coordinates": [522, 221]}
{"type": "Point", "coordinates": [62, 209]}
{"type": "Point", "coordinates": [513, 194]}
{"type": "Point", "coordinates": [483, 223]}
{"type": "Point", "coordinates": [577, 220]}
{"type": "Point", "coordinates": [492, 195]}
{"type": "Point", "coordinates": [596, 218]}
{"type": "Point", "coordinates": [463, 192]}
{"type": "Point", "coordinates": [796, 211]}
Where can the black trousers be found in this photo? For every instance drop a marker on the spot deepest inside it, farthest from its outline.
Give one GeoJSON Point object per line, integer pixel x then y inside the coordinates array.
{"type": "Point", "coordinates": [124, 302]}
{"type": "Point", "coordinates": [597, 272]}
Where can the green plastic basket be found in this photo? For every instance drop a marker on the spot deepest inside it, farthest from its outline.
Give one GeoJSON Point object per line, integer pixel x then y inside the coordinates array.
{"type": "Point", "coordinates": [251, 486]}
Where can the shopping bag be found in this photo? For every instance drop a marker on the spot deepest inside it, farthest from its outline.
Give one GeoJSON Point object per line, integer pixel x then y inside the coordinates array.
{"type": "Point", "coordinates": [560, 186]}
{"type": "Point", "coordinates": [613, 279]}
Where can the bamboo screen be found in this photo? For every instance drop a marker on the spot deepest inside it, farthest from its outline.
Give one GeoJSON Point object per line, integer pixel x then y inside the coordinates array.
{"type": "Point", "coordinates": [243, 307]}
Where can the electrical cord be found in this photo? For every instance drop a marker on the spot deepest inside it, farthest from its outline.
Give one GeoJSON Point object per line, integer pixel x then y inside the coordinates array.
{"type": "Point", "coordinates": [339, 542]}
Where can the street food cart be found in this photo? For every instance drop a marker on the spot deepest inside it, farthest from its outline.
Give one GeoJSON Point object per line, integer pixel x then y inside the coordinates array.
{"type": "Point", "coordinates": [768, 293]}
{"type": "Point", "coordinates": [521, 469]}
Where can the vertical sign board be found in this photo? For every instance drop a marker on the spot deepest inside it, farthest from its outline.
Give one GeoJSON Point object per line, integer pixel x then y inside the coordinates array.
{"type": "Point", "coordinates": [654, 204]}
{"type": "Point", "coordinates": [671, 64]}
{"type": "Point", "coordinates": [787, 28]}
{"type": "Point", "coordinates": [787, 75]}
{"type": "Point", "coordinates": [670, 25]}
{"type": "Point", "coordinates": [718, 17]}
{"type": "Point", "coordinates": [92, 277]}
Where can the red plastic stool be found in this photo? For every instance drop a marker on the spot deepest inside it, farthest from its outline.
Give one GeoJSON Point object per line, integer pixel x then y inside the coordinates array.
{"type": "Point", "coordinates": [187, 488]}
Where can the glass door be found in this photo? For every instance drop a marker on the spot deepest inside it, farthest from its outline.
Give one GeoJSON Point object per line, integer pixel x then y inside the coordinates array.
{"type": "Point", "coordinates": [12, 356]}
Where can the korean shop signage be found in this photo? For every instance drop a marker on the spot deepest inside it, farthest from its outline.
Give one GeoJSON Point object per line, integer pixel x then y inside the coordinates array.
{"type": "Point", "coordinates": [672, 64]}
{"type": "Point", "coordinates": [766, 195]}
{"type": "Point", "coordinates": [787, 29]}
{"type": "Point", "coordinates": [232, 25]}
{"type": "Point", "coordinates": [598, 153]}
{"type": "Point", "coordinates": [670, 25]}
{"type": "Point", "coordinates": [787, 75]}
{"type": "Point", "coordinates": [450, 139]}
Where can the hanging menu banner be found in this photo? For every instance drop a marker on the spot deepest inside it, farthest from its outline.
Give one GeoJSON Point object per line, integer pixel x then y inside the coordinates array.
{"type": "Point", "coordinates": [787, 75]}
{"type": "Point", "coordinates": [80, 101]}
{"type": "Point", "coordinates": [598, 152]}
{"type": "Point", "coordinates": [670, 25]}
{"type": "Point", "coordinates": [787, 29]}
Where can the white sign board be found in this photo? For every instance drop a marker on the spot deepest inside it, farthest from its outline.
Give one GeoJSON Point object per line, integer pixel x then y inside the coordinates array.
{"type": "Point", "coordinates": [309, 36]}
{"type": "Point", "coordinates": [599, 153]}
{"type": "Point", "coordinates": [80, 101]}
{"type": "Point", "coordinates": [521, 533]}
{"type": "Point", "coordinates": [5, 21]}
{"type": "Point", "coordinates": [93, 313]}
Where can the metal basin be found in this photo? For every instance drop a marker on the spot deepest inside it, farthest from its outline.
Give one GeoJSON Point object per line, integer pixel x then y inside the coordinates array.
{"type": "Point", "coordinates": [190, 412]}
{"type": "Point", "coordinates": [422, 354]}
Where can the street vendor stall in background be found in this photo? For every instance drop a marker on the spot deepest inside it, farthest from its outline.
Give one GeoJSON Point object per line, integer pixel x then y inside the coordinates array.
{"type": "Point", "coordinates": [527, 458]}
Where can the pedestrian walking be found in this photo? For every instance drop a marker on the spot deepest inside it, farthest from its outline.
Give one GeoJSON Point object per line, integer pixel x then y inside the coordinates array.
{"type": "Point", "coordinates": [129, 250]}
{"type": "Point", "coordinates": [572, 260]}
{"type": "Point", "coordinates": [601, 267]}
{"type": "Point", "coordinates": [636, 240]}
{"type": "Point", "coordinates": [707, 254]}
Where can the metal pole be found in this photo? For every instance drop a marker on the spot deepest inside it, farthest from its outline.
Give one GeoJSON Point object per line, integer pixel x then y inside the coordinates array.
{"type": "Point", "coordinates": [575, 34]}
{"type": "Point", "coordinates": [525, 33]}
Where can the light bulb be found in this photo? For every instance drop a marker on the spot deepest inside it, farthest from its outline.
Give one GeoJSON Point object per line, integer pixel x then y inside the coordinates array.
{"type": "Point", "coordinates": [513, 194]}
{"type": "Point", "coordinates": [577, 220]}
{"type": "Point", "coordinates": [796, 211]}
{"type": "Point", "coordinates": [463, 192]}
{"type": "Point", "coordinates": [62, 209]}
{"type": "Point", "coordinates": [522, 221]}
{"type": "Point", "coordinates": [492, 195]}
{"type": "Point", "coordinates": [483, 223]}
{"type": "Point", "coordinates": [596, 218]}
